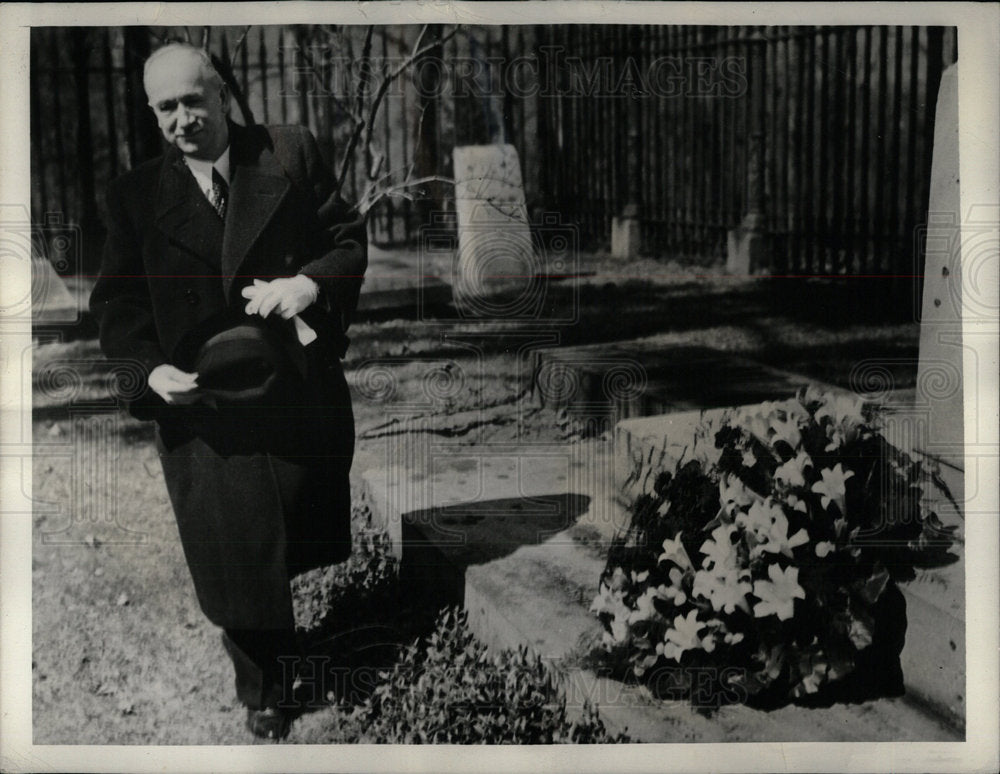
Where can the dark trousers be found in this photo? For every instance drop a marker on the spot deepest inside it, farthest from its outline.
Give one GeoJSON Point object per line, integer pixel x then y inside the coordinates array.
{"type": "Point", "coordinates": [265, 662]}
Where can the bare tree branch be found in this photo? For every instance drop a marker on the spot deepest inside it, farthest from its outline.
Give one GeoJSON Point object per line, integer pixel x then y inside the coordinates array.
{"type": "Point", "coordinates": [337, 101]}
{"type": "Point", "coordinates": [372, 196]}
{"type": "Point", "coordinates": [226, 71]}
{"type": "Point", "coordinates": [359, 103]}
{"type": "Point", "coordinates": [239, 45]}
{"type": "Point", "coordinates": [403, 66]}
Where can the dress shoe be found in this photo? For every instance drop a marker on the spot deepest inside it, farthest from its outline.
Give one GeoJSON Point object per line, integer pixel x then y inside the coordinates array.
{"type": "Point", "coordinates": [268, 723]}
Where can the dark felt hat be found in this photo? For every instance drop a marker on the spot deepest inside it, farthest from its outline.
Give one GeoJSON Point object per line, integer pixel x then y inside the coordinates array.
{"type": "Point", "coordinates": [244, 360]}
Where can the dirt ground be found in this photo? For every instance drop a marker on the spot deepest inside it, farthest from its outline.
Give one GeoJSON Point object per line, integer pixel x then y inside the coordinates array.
{"type": "Point", "coordinates": [121, 652]}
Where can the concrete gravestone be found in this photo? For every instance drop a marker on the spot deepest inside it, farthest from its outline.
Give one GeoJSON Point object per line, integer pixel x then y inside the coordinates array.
{"type": "Point", "coordinates": [939, 374]}
{"type": "Point", "coordinates": [494, 240]}
{"type": "Point", "coordinates": [932, 424]}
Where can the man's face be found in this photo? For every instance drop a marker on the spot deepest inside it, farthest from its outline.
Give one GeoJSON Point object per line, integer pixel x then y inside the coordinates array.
{"type": "Point", "coordinates": [191, 111]}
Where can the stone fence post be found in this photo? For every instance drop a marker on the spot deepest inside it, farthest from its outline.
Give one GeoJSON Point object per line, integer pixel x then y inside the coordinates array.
{"type": "Point", "coordinates": [626, 230]}
{"type": "Point", "coordinates": [748, 242]}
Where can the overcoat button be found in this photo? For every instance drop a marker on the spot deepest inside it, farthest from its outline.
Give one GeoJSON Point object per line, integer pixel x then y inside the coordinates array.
{"type": "Point", "coordinates": [192, 297]}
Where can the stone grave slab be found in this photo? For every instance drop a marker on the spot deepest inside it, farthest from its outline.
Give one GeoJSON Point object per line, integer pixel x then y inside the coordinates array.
{"type": "Point", "coordinates": [645, 377]}
{"type": "Point", "coordinates": [518, 536]}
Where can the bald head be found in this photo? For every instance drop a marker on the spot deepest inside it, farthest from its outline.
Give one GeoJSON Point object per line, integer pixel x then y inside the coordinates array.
{"type": "Point", "coordinates": [174, 55]}
{"type": "Point", "coordinates": [190, 100]}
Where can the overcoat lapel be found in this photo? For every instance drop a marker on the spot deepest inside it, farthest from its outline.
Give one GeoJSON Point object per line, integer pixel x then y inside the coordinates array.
{"type": "Point", "coordinates": [184, 214]}
{"type": "Point", "coordinates": [257, 187]}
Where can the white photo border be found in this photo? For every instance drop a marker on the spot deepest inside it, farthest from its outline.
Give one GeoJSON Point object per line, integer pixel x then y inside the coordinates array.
{"type": "Point", "coordinates": [979, 43]}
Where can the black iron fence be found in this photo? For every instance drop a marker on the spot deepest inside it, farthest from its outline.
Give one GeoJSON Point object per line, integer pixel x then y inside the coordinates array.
{"type": "Point", "coordinates": [826, 130]}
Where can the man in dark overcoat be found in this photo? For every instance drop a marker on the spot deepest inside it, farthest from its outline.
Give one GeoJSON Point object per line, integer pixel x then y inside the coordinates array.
{"type": "Point", "coordinates": [234, 224]}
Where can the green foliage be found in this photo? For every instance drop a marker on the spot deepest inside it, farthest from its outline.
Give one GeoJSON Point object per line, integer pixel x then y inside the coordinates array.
{"type": "Point", "coordinates": [448, 689]}
{"type": "Point", "coordinates": [366, 581]}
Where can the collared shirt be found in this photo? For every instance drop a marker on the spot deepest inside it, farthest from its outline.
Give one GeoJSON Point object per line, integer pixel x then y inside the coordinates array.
{"type": "Point", "coordinates": [202, 171]}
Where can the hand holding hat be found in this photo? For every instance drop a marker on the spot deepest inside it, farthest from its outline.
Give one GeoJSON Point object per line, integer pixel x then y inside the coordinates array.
{"type": "Point", "coordinates": [175, 386]}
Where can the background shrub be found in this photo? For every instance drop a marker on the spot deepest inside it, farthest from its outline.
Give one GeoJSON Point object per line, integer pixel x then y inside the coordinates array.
{"type": "Point", "coordinates": [446, 689]}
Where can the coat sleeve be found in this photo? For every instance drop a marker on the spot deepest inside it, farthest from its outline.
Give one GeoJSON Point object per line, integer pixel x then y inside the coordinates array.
{"type": "Point", "coordinates": [120, 302]}
{"type": "Point", "coordinates": [339, 269]}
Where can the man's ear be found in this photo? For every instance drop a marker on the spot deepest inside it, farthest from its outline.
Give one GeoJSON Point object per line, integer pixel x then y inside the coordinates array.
{"type": "Point", "coordinates": [225, 98]}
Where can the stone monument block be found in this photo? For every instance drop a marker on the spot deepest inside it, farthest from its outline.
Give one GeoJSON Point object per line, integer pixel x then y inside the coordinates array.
{"type": "Point", "coordinates": [495, 249]}
{"type": "Point", "coordinates": [626, 237]}
{"type": "Point", "coordinates": [939, 371]}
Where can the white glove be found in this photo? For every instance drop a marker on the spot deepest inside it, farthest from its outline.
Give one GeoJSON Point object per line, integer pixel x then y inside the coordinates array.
{"type": "Point", "coordinates": [287, 295]}
{"type": "Point", "coordinates": [175, 386]}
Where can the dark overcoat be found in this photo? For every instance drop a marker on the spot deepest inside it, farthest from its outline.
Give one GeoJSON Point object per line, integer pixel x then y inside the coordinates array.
{"type": "Point", "coordinates": [262, 491]}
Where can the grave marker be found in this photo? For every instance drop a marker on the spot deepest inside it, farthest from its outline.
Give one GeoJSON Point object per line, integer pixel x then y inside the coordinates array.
{"type": "Point", "coordinates": [494, 240]}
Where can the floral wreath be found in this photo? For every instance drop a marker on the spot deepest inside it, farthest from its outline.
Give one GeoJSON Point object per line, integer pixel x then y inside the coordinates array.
{"type": "Point", "coordinates": [769, 555]}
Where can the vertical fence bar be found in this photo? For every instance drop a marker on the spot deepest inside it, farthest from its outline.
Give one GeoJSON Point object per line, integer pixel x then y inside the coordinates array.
{"type": "Point", "coordinates": [798, 263]}
{"type": "Point", "coordinates": [353, 163]}
{"type": "Point", "coordinates": [58, 124]}
{"type": "Point", "coordinates": [809, 151]}
{"type": "Point", "coordinates": [110, 102]}
{"type": "Point", "coordinates": [838, 142]}
{"type": "Point", "coordinates": [646, 132]}
{"type": "Point", "coordinates": [543, 125]}
{"type": "Point", "coordinates": [882, 97]}
{"type": "Point", "coordinates": [736, 170]}
{"type": "Point", "coordinates": [591, 171]}
{"type": "Point", "coordinates": [669, 163]}
{"type": "Point", "coordinates": [702, 106]}
{"type": "Point", "coordinates": [756, 162]}
{"type": "Point", "coordinates": [404, 143]}
{"type": "Point", "coordinates": [85, 205]}
{"type": "Point", "coordinates": [387, 166]}
{"type": "Point", "coordinates": [897, 154]}
{"type": "Point", "coordinates": [788, 114]}
{"type": "Point", "coordinates": [40, 192]}
{"type": "Point", "coordinates": [912, 118]}
{"type": "Point", "coordinates": [282, 83]}
{"type": "Point", "coordinates": [712, 216]}
{"type": "Point", "coordinates": [427, 151]}
{"type": "Point", "coordinates": [688, 154]}
{"type": "Point", "coordinates": [719, 101]}
{"type": "Point", "coordinates": [262, 66]}
{"type": "Point", "coordinates": [697, 170]}
{"type": "Point", "coordinates": [301, 48]}
{"type": "Point", "coordinates": [770, 147]}
{"type": "Point", "coordinates": [245, 64]}
{"type": "Point", "coordinates": [849, 220]}
{"type": "Point", "coordinates": [575, 139]}
{"type": "Point", "coordinates": [322, 109]}
{"type": "Point", "coordinates": [824, 143]}
{"type": "Point", "coordinates": [528, 159]}
{"type": "Point", "coordinates": [864, 219]}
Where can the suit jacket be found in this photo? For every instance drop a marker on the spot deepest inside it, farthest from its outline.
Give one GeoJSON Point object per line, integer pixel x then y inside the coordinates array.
{"type": "Point", "coordinates": [263, 492]}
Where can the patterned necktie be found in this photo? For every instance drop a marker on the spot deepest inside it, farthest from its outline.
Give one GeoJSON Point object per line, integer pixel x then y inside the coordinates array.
{"type": "Point", "coordinates": [220, 193]}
